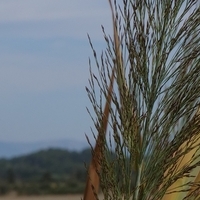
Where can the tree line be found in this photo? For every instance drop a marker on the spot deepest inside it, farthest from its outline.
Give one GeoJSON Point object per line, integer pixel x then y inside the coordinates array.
{"type": "Point", "coordinates": [51, 171]}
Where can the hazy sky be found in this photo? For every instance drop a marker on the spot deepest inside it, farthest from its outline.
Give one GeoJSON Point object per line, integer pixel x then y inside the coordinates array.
{"type": "Point", "coordinates": [44, 54]}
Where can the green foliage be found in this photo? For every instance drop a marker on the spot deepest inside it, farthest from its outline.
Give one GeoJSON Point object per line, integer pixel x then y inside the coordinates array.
{"type": "Point", "coordinates": [52, 171]}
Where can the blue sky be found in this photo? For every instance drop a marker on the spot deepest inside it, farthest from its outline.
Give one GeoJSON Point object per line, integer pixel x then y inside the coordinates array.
{"type": "Point", "coordinates": [44, 68]}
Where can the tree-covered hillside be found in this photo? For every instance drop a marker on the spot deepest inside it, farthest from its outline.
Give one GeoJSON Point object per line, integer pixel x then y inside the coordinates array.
{"type": "Point", "coordinates": [46, 171]}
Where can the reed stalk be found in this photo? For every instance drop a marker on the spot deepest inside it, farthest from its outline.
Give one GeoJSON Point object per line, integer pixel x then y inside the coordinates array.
{"type": "Point", "coordinates": [152, 62]}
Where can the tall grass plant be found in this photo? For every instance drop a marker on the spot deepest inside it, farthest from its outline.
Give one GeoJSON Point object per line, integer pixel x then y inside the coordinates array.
{"type": "Point", "coordinates": [148, 103]}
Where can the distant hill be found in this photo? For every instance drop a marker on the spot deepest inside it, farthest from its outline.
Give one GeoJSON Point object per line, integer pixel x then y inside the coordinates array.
{"type": "Point", "coordinates": [13, 149]}
{"type": "Point", "coordinates": [51, 171]}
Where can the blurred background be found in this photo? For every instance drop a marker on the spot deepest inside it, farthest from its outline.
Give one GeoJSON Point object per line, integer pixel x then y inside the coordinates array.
{"type": "Point", "coordinates": [44, 69]}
